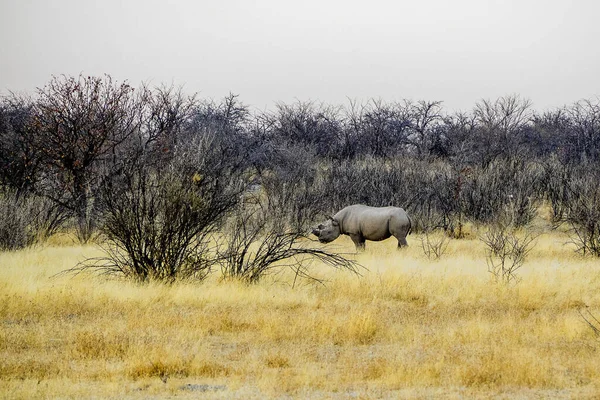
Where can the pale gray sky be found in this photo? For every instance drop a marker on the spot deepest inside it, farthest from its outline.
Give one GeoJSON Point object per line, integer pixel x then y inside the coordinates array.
{"type": "Point", "coordinates": [326, 50]}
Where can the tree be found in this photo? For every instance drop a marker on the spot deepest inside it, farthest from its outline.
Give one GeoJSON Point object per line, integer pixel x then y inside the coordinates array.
{"type": "Point", "coordinates": [384, 128]}
{"type": "Point", "coordinates": [79, 123]}
{"type": "Point", "coordinates": [19, 159]}
{"type": "Point", "coordinates": [548, 135]}
{"type": "Point", "coordinates": [500, 127]}
{"type": "Point", "coordinates": [426, 130]}
{"type": "Point", "coordinates": [583, 129]}
{"type": "Point", "coordinates": [460, 128]}
{"type": "Point", "coordinates": [167, 112]}
{"type": "Point", "coordinates": [304, 123]}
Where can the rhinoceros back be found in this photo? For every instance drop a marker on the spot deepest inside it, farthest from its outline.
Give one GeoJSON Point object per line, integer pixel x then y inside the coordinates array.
{"type": "Point", "coordinates": [373, 223]}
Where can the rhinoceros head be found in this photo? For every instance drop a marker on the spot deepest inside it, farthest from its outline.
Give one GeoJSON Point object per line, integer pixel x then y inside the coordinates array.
{"type": "Point", "coordinates": [328, 231]}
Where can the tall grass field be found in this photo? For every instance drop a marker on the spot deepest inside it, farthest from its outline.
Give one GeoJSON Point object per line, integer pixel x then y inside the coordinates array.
{"type": "Point", "coordinates": [407, 327]}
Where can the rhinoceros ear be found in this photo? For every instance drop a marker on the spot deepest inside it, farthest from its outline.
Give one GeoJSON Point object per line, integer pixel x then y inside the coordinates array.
{"type": "Point", "coordinates": [334, 222]}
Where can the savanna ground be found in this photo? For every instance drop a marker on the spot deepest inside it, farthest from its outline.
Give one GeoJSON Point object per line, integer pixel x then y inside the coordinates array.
{"type": "Point", "coordinates": [407, 328]}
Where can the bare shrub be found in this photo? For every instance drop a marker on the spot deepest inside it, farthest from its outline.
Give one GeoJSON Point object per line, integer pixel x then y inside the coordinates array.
{"type": "Point", "coordinates": [556, 182]}
{"type": "Point", "coordinates": [158, 224]}
{"type": "Point", "coordinates": [153, 229]}
{"type": "Point", "coordinates": [434, 238]}
{"type": "Point", "coordinates": [434, 244]}
{"type": "Point", "coordinates": [503, 186]}
{"type": "Point", "coordinates": [583, 212]}
{"type": "Point", "coordinates": [293, 183]}
{"type": "Point", "coordinates": [14, 225]}
{"type": "Point", "coordinates": [46, 217]}
{"type": "Point", "coordinates": [373, 181]}
{"type": "Point", "coordinates": [436, 200]}
{"type": "Point", "coordinates": [256, 245]}
{"type": "Point", "coordinates": [27, 220]}
{"type": "Point", "coordinates": [506, 251]}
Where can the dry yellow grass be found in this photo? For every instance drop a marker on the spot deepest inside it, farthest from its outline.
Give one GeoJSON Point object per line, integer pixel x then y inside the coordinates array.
{"type": "Point", "coordinates": [407, 328]}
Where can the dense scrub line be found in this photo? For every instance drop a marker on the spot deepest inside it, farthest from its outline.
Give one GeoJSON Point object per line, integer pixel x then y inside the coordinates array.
{"type": "Point", "coordinates": [153, 172]}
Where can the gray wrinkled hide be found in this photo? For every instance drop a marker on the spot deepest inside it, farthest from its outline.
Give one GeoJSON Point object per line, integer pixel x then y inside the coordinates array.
{"type": "Point", "coordinates": [362, 223]}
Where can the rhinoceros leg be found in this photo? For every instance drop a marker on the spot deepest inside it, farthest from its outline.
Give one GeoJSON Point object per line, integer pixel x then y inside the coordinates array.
{"type": "Point", "coordinates": [359, 241]}
{"type": "Point", "coordinates": [402, 242]}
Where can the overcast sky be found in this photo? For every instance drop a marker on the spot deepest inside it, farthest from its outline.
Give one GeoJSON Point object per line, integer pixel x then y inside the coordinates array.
{"type": "Point", "coordinates": [266, 51]}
